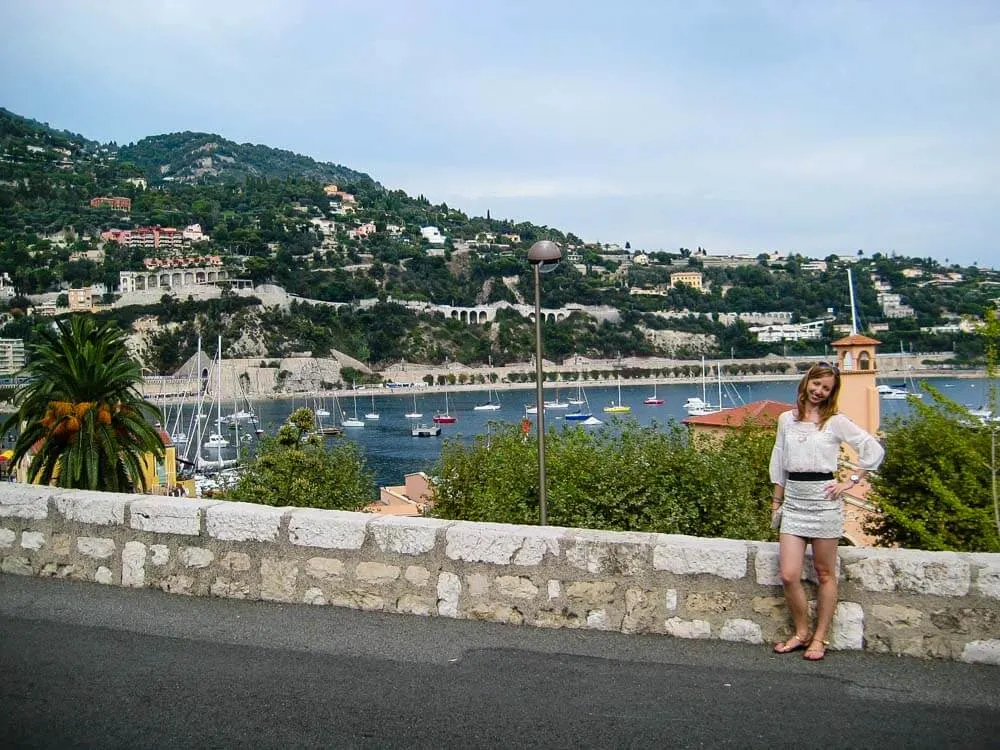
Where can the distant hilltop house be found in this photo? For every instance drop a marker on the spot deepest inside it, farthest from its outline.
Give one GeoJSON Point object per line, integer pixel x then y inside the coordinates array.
{"type": "Point", "coordinates": [114, 203]}
{"type": "Point", "coordinates": [809, 331]}
{"type": "Point", "coordinates": [691, 278]}
{"type": "Point", "coordinates": [363, 230]}
{"type": "Point", "coordinates": [85, 299]}
{"type": "Point", "coordinates": [432, 235]}
{"type": "Point", "coordinates": [157, 237]}
{"type": "Point", "coordinates": [12, 357]}
{"type": "Point", "coordinates": [6, 286]}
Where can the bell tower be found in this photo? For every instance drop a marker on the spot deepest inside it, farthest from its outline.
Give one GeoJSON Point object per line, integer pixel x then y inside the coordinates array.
{"type": "Point", "coordinates": [858, 366]}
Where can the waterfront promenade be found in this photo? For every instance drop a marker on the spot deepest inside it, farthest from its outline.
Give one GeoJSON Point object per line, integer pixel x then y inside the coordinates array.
{"type": "Point", "coordinates": [87, 665]}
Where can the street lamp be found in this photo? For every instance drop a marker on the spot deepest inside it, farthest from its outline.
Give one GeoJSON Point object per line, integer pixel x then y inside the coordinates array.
{"type": "Point", "coordinates": [544, 255]}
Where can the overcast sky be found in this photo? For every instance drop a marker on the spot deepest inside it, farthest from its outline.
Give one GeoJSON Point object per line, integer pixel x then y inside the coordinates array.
{"type": "Point", "coordinates": [749, 125]}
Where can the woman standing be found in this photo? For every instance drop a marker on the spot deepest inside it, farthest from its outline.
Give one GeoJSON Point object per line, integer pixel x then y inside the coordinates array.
{"type": "Point", "coordinates": [807, 492]}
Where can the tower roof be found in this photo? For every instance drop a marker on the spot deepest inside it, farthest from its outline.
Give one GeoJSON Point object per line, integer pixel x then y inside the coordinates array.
{"type": "Point", "coordinates": [856, 339]}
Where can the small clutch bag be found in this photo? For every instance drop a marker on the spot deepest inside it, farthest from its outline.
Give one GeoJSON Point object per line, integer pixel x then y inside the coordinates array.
{"type": "Point", "coordinates": [776, 518]}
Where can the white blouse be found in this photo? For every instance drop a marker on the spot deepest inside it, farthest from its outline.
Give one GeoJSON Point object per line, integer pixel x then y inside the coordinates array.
{"type": "Point", "coordinates": [803, 446]}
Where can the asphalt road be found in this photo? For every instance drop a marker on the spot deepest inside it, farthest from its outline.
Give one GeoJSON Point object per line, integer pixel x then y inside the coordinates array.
{"type": "Point", "coordinates": [84, 665]}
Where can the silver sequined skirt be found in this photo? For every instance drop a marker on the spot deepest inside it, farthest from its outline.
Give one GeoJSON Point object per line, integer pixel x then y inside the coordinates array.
{"type": "Point", "coordinates": [807, 513]}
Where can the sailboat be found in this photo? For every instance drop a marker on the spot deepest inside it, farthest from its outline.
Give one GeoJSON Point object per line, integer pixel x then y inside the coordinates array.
{"type": "Point", "coordinates": [372, 414]}
{"type": "Point", "coordinates": [414, 414]}
{"type": "Point", "coordinates": [490, 404]}
{"type": "Point", "coordinates": [653, 400]}
{"type": "Point", "coordinates": [617, 407]}
{"type": "Point", "coordinates": [556, 403]}
{"type": "Point", "coordinates": [346, 421]}
{"type": "Point", "coordinates": [582, 413]}
{"type": "Point", "coordinates": [899, 391]}
{"type": "Point", "coordinates": [696, 406]}
{"type": "Point", "coordinates": [445, 417]}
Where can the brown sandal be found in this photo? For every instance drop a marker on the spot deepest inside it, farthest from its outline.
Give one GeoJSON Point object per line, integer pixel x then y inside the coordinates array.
{"type": "Point", "coordinates": [795, 643]}
{"type": "Point", "coordinates": [816, 653]}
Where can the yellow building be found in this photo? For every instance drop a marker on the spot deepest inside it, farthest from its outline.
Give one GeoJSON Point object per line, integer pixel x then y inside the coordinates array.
{"type": "Point", "coordinates": [691, 278]}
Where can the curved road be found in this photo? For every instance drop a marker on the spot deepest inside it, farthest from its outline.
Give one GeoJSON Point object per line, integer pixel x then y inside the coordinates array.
{"type": "Point", "coordinates": [83, 665]}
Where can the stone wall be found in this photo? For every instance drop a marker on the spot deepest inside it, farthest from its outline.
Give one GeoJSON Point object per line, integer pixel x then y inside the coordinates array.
{"type": "Point", "coordinates": [927, 604]}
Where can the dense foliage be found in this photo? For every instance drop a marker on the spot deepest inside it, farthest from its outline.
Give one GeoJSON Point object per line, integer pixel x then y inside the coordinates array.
{"type": "Point", "coordinates": [295, 468]}
{"type": "Point", "coordinates": [622, 477]}
{"type": "Point", "coordinates": [934, 488]}
{"type": "Point", "coordinates": [82, 413]}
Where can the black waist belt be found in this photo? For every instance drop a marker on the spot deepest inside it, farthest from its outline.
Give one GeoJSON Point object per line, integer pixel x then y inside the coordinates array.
{"type": "Point", "coordinates": [810, 476]}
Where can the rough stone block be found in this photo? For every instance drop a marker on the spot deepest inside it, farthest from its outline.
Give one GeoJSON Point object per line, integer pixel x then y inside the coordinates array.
{"type": "Point", "coordinates": [177, 584]}
{"type": "Point", "coordinates": [501, 544]}
{"type": "Point", "coordinates": [103, 575]}
{"type": "Point", "coordinates": [314, 596]}
{"type": "Point", "coordinates": [134, 565]}
{"type": "Point", "coordinates": [168, 515]}
{"type": "Point", "coordinates": [363, 600]}
{"type": "Point", "coordinates": [277, 579]}
{"type": "Point", "coordinates": [235, 562]}
{"type": "Point", "coordinates": [376, 572]}
{"type": "Point", "coordinates": [549, 618]}
{"type": "Point", "coordinates": [769, 606]}
{"type": "Point", "coordinates": [982, 652]}
{"type": "Point", "coordinates": [687, 628]}
{"type": "Point", "coordinates": [598, 619]}
{"type": "Point", "coordinates": [327, 529]}
{"type": "Point", "coordinates": [935, 573]}
{"type": "Point", "coordinates": [640, 612]}
{"type": "Point", "coordinates": [100, 508]}
{"type": "Point", "coordinates": [7, 538]}
{"type": "Point", "coordinates": [516, 587]}
{"type": "Point", "coordinates": [417, 575]}
{"type": "Point", "coordinates": [243, 522]}
{"type": "Point", "coordinates": [229, 589]}
{"type": "Point", "coordinates": [33, 540]}
{"type": "Point", "coordinates": [95, 547]}
{"type": "Point", "coordinates": [324, 569]}
{"type": "Point", "coordinates": [610, 553]}
{"type": "Point", "coordinates": [406, 536]}
{"type": "Point", "coordinates": [554, 588]}
{"type": "Point", "coordinates": [670, 600]}
{"type": "Point", "coordinates": [710, 602]}
{"type": "Point", "coordinates": [741, 631]}
{"type": "Point", "coordinates": [988, 582]}
{"type": "Point", "coordinates": [848, 630]}
{"type": "Point", "coordinates": [896, 614]}
{"type": "Point", "coordinates": [196, 557]}
{"type": "Point", "coordinates": [29, 501]}
{"type": "Point", "coordinates": [411, 604]}
{"type": "Point", "coordinates": [477, 584]}
{"type": "Point", "coordinates": [592, 593]}
{"type": "Point", "coordinates": [496, 612]}
{"type": "Point", "coordinates": [159, 554]}
{"type": "Point", "coordinates": [19, 566]}
{"type": "Point", "coordinates": [872, 571]}
{"type": "Point", "coordinates": [449, 589]}
{"type": "Point", "coordinates": [685, 555]}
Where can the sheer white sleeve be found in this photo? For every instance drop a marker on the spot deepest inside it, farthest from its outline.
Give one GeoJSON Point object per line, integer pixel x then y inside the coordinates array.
{"type": "Point", "coordinates": [870, 451]}
{"type": "Point", "coordinates": [777, 465]}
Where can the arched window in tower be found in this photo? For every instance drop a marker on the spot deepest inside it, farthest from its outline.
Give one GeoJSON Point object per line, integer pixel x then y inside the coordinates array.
{"type": "Point", "coordinates": [864, 361]}
{"type": "Point", "coordinates": [848, 363]}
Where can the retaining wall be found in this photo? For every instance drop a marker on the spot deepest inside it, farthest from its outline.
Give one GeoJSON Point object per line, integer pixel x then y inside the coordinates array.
{"type": "Point", "coordinates": [926, 604]}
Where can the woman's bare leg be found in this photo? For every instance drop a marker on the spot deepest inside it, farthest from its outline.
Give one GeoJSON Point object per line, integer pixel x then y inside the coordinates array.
{"type": "Point", "coordinates": [825, 561]}
{"type": "Point", "coordinates": [791, 553]}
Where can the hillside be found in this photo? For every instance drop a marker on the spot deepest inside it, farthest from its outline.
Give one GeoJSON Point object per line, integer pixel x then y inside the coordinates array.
{"type": "Point", "coordinates": [267, 217]}
{"type": "Point", "coordinates": [205, 157]}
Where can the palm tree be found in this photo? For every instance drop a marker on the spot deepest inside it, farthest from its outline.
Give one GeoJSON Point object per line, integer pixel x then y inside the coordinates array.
{"type": "Point", "coordinates": [82, 413]}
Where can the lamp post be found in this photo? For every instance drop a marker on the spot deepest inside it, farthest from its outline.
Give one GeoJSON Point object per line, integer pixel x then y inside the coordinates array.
{"type": "Point", "coordinates": [544, 255]}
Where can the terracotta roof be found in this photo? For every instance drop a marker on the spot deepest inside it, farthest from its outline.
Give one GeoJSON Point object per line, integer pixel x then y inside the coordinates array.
{"type": "Point", "coordinates": [855, 339]}
{"type": "Point", "coordinates": [761, 412]}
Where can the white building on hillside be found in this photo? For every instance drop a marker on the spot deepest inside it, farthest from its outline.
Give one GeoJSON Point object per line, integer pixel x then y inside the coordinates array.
{"type": "Point", "coordinates": [432, 235]}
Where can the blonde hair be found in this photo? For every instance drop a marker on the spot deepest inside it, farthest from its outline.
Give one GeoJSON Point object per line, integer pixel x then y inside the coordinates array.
{"type": "Point", "coordinates": [829, 406]}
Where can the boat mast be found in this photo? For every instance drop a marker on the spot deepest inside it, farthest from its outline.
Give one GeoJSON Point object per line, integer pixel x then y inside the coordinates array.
{"type": "Point", "coordinates": [854, 314]}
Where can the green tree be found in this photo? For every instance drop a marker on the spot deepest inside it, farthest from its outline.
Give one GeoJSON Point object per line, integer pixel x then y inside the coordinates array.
{"type": "Point", "coordinates": [622, 477]}
{"type": "Point", "coordinates": [933, 489]}
{"type": "Point", "coordinates": [295, 468]}
{"type": "Point", "coordinates": [83, 410]}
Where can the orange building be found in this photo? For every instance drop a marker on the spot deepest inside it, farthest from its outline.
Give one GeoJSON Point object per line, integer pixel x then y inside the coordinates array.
{"type": "Point", "coordinates": [115, 204]}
